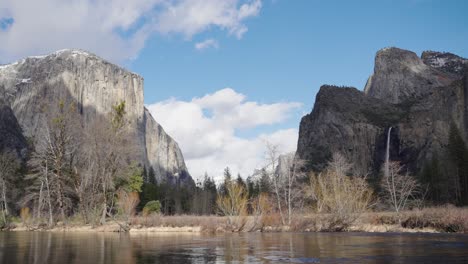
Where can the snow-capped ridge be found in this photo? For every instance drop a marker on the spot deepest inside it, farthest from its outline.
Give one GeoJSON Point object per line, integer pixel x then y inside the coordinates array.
{"type": "Point", "coordinates": [68, 54]}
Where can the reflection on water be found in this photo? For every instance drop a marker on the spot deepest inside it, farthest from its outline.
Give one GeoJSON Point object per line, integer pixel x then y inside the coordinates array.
{"type": "Point", "coordinates": [46, 247]}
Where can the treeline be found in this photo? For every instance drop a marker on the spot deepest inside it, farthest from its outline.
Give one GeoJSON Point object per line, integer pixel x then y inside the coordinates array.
{"type": "Point", "coordinates": [73, 170]}
{"type": "Point", "coordinates": [84, 173]}
{"type": "Point", "coordinates": [446, 175]}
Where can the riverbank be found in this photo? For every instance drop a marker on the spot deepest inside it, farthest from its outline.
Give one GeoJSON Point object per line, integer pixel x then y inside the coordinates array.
{"type": "Point", "coordinates": [431, 220]}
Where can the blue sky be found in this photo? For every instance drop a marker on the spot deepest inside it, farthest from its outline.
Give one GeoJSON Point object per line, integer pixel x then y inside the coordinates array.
{"type": "Point", "coordinates": [224, 76]}
{"type": "Point", "coordinates": [292, 47]}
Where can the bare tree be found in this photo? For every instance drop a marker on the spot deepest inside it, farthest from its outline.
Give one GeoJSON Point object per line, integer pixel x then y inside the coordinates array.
{"type": "Point", "coordinates": [343, 197]}
{"type": "Point", "coordinates": [285, 173]}
{"type": "Point", "coordinates": [234, 202]}
{"type": "Point", "coordinates": [399, 187]}
{"type": "Point", "coordinates": [104, 162]}
{"type": "Point", "coordinates": [8, 166]}
{"type": "Point", "coordinates": [289, 174]}
{"type": "Point", "coordinates": [272, 155]}
{"type": "Point", "coordinates": [52, 161]}
{"type": "Point", "coordinates": [40, 187]}
{"type": "Point", "coordinates": [62, 144]}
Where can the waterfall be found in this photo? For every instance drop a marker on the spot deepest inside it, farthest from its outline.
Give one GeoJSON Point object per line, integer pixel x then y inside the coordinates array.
{"type": "Point", "coordinates": [387, 153]}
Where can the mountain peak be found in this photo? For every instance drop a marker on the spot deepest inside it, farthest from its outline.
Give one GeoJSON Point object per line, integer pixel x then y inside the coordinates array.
{"type": "Point", "coordinates": [72, 56]}
{"type": "Point", "coordinates": [445, 61]}
{"type": "Point", "coordinates": [400, 74]}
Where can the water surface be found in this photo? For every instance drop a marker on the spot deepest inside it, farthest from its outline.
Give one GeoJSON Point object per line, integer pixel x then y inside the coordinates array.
{"type": "Point", "coordinates": [47, 247]}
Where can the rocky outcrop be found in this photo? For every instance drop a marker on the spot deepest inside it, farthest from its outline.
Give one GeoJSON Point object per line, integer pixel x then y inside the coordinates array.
{"type": "Point", "coordinates": [167, 160]}
{"type": "Point", "coordinates": [32, 85]}
{"type": "Point", "coordinates": [401, 74]}
{"type": "Point", "coordinates": [419, 98]}
{"type": "Point", "coordinates": [11, 139]}
{"type": "Point", "coordinates": [285, 162]}
{"type": "Point", "coordinates": [446, 62]}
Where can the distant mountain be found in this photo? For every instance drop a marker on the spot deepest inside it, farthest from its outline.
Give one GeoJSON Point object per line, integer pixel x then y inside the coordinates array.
{"type": "Point", "coordinates": [31, 85]}
{"type": "Point", "coordinates": [424, 101]}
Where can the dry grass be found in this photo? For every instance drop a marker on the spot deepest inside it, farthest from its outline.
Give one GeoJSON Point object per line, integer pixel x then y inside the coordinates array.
{"type": "Point", "coordinates": [207, 223]}
{"type": "Point", "coordinates": [448, 219]}
{"type": "Point", "coordinates": [438, 219]}
{"type": "Point", "coordinates": [443, 219]}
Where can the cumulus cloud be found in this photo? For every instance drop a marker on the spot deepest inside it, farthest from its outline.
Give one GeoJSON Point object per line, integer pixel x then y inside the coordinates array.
{"type": "Point", "coordinates": [117, 29]}
{"type": "Point", "coordinates": [190, 17]}
{"type": "Point", "coordinates": [209, 43]}
{"type": "Point", "coordinates": [206, 130]}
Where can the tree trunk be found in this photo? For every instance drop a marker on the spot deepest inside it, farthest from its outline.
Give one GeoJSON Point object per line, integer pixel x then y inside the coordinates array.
{"type": "Point", "coordinates": [278, 198]}
{"type": "Point", "coordinates": [5, 206]}
{"type": "Point", "coordinates": [51, 219]}
{"type": "Point", "coordinates": [104, 209]}
{"type": "Point", "coordinates": [39, 205]}
{"type": "Point", "coordinates": [60, 198]}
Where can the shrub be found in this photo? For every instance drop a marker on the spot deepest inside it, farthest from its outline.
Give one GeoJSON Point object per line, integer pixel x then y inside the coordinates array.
{"type": "Point", "coordinates": [399, 187]}
{"type": "Point", "coordinates": [262, 209]}
{"type": "Point", "coordinates": [343, 197]}
{"type": "Point", "coordinates": [152, 207]}
{"type": "Point", "coordinates": [127, 203]}
{"type": "Point", "coordinates": [233, 205]}
{"type": "Point", "coordinates": [25, 215]}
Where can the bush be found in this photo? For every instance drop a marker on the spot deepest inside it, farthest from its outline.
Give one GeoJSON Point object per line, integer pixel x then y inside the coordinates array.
{"type": "Point", "coordinates": [25, 215]}
{"type": "Point", "coordinates": [152, 207]}
{"type": "Point", "coordinates": [343, 197]}
{"type": "Point", "coordinates": [127, 203]}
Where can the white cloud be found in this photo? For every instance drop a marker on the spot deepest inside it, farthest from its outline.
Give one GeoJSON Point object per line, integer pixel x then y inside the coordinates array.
{"type": "Point", "coordinates": [116, 30]}
{"type": "Point", "coordinates": [190, 17]}
{"type": "Point", "coordinates": [209, 43]}
{"type": "Point", "coordinates": [206, 127]}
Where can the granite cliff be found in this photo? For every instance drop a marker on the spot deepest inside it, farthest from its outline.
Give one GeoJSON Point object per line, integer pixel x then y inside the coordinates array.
{"type": "Point", "coordinates": [12, 139]}
{"type": "Point", "coordinates": [33, 84]}
{"type": "Point", "coordinates": [421, 99]}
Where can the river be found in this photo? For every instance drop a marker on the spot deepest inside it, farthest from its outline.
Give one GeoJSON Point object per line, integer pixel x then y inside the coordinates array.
{"type": "Point", "coordinates": [68, 247]}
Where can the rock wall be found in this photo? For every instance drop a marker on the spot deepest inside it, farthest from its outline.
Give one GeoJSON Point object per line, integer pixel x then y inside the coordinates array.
{"type": "Point", "coordinates": [418, 100]}
{"type": "Point", "coordinates": [11, 139]}
{"type": "Point", "coordinates": [31, 85]}
{"type": "Point", "coordinates": [401, 74]}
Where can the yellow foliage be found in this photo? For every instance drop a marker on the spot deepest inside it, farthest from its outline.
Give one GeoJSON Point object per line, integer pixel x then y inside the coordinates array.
{"type": "Point", "coordinates": [343, 197]}
{"type": "Point", "coordinates": [25, 214]}
{"type": "Point", "coordinates": [234, 203]}
{"type": "Point", "coordinates": [127, 202]}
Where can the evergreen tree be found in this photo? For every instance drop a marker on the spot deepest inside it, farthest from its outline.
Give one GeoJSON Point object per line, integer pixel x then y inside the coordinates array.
{"type": "Point", "coordinates": [227, 180]}
{"type": "Point", "coordinates": [458, 153]}
{"type": "Point", "coordinates": [209, 199]}
{"type": "Point", "coordinates": [151, 175]}
{"type": "Point", "coordinates": [241, 181]}
{"type": "Point", "coordinates": [265, 182]}
{"type": "Point", "coordinates": [145, 174]}
{"type": "Point", "coordinates": [432, 176]}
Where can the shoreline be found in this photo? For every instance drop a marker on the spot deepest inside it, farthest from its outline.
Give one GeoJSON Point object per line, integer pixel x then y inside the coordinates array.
{"type": "Point", "coordinates": [428, 220]}
{"type": "Point", "coordinates": [115, 228]}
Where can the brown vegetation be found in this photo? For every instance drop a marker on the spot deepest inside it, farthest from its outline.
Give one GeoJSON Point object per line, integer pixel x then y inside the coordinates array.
{"type": "Point", "coordinates": [342, 198]}
{"type": "Point", "coordinates": [442, 219]}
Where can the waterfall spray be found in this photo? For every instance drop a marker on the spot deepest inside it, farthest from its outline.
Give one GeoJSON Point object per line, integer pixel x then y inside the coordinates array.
{"type": "Point", "coordinates": [387, 153]}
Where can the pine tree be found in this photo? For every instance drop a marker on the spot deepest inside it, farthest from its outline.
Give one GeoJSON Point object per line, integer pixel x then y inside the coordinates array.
{"type": "Point", "coordinates": [458, 153]}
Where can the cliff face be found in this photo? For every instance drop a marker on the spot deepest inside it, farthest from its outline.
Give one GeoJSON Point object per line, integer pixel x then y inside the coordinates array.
{"type": "Point", "coordinates": [31, 85]}
{"type": "Point", "coordinates": [418, 98]}
{"type": "Point", "coordinates": [401, 74]}
{"type": "Point", "coordinates": [12, 139]}
{"type": "Point", "coordinates": [167, 160]}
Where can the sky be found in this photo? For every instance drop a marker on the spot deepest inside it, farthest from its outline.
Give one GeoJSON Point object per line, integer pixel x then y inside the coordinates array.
{"type": "Point", "coordinates": [224, 77]}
